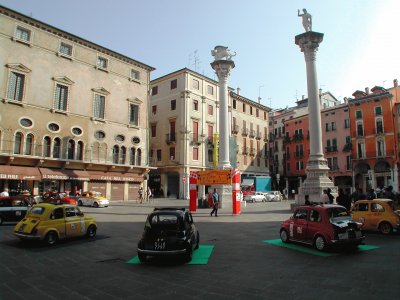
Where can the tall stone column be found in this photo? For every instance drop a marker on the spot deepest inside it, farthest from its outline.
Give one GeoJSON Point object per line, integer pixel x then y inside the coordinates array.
{"type": "Point", "coordinates": [317, 167]}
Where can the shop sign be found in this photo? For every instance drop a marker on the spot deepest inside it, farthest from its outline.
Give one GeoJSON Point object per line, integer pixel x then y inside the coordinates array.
{"type": "Point", "coordinates": [214, 177]}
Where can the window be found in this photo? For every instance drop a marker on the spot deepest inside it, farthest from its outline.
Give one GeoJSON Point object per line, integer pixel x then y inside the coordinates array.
{"type": "Point", "coordinates": [315, 216]}
{"type": "Point", "coordinates": [71, 149]}
{"type": "Point", "coordinates": [348, 162]}
{"type": "Point", "coordinates": [360, 129]}
{"type": "Point", "coordinates": [333, 125]}
{"type": "Point", "coordinates": [378, 111]}
{"type": "Point", "coordinates": [299, 165]}
{"type": "Point", "coordinates": [210, 155]}
{"type": "Point", "coordinates": [79, 151]}
{"type": "Point", "coordinates": [133, 156]}
{"type": "Point", "coordinates": [210, 90]}
{"type": "Point", "coordinates": [29, 144]}
{"type": "Point", "coordinates": [18, 143]}
{"type": "Point", "coordinates": [23, 34]}
{"type": "Point", "coordinates": [210, 110]}
{"type": "Point", "coordinates": [251, 110]}
{"type": "Point", "coordinates": [154, 109]}
{"type": "Point", "coordinates": [174, 84]}
{"type": "Point", "coordinates": [122, 155]}
{"type": "Point", "coordinates": [173, 104]}
{"type": "Point", "coordinates": [359, 114]}
{"type": "Point", "coordinates": [361, 207]}
{"type": "Point", "coordinates": [65, 49]}
{"type": "Point", "coordinates": [16, 86]}
{"type": "Point", "coordinates": [347, 123]}
{"type": "Point", "coordinates": [195, 105]}
{"type": "Point", "coordinates": [115, 154]}
{"type": "Point", "coordinates": [172, 153]}
{"type": "Point", "coordinates": [139, 157]}
{"type": "Point", "coordinates": [195, 131]}
{"type": "Point", "coordinates": [135, 74]}
{"type": "Point", "coordinates": [244, 107]}
{"type": "Point", "coordinates": [102, 62]}
{"type": "Point", "coordinates": [46, 146]}
{"type": "Point", "coordinates": [376, 207]}
{"type": "Point", "coordinates": [76, 131]}
{"type": "Point", "coordinates": [195, 153]}
{"type": "Point", "coordinates": [154, 90]}
{"type": "Point", "coordinates": [133, 114]}
{"type": "Point", "coordinates": [210, 133]}
{"type": "Point", "coordinates": [172, 129]}
{"type": "Point", "coordinates": [379, 125]}
{"type": "Point", "coordinates": [196, 84]}
{"type": "Point", "coordinates": [380, 148]}
{"type": "Point", "coordinates": [56, 148]}
{"type": "Point", "coordinates": [360, 149]}
{"type": "Point", "coordinates": [58, 213]}
{"type": "Point", "coordinates": [119, 138]}
{"type": "Point", "coordinates": [99, 106]}
{"type": "Point", "coordinates": [158, 154]}
{"type": "Point", "coordinates": [99, 135]}
{"type": "Point", "coordinates": [234, 104]}
{"type": "Point", "coordinates": [25, 122]}
{"type": "Point", "coordinates": [327, 127]}
{"type": "Point", "coordinates": [301, 214]}
{"type": "Point", "coordinates": [61, 97]}
{"type": "Point", "coordinates": [153, 130]}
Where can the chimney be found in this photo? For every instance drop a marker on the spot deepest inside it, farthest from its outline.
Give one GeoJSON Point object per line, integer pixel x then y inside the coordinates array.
{"type": "Point", "coordinates": [367, 90]}
{"type": "Point", "coordinates": [238, 91]}
{"type": "Point", "coordinates": [395, 83]}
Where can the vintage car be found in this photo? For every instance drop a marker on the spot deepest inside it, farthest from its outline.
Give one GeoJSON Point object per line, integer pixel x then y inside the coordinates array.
{"type": "Point", "coordinates": [93, 198]}
{"type": "Point", "coordinates": [58, 198]}
{"type": "Point", "coordinates": [321, 226]}
{"type": "Point", "coordinates": [50, 223]}
{"type": "Point", "coordinates": [13, 208]}
{"type": "Point", "coordinates": [256, 197]}
{"type": "Point", "coordinates": [168, 231]}
{"type": "Point", "coordinates": [377, 214]}
{"type": "Point", "coordinates": [273, 196]}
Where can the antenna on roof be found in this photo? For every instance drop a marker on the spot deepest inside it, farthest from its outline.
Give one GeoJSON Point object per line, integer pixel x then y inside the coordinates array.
{"type": "Point", "coordinates": [259, 93]}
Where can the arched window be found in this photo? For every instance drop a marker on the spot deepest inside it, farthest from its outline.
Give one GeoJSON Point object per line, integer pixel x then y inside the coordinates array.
{"type": "Point", "coordinates": [46, 146]}
{"type": "Point", "coordinates": [18, 143]}
{"type": "Point", "coordinates": [122, 156]}
{"type": "Point", "coordinates": [115, 154]}
{"type": "Point", "coordinates": [132, 156]}
{"type": "Point", "coordinates": [79, 151]}
{"type": "Point", "coordinates": [56, 148]}
{"type": "Point", "coordinates": [71, 149]}
{"type": "Point", "coordinates": [139, 157]}
{"type": "Point", "coordinates": [379, 125]}
{"type": "Point", "coordinates": [29, 144]}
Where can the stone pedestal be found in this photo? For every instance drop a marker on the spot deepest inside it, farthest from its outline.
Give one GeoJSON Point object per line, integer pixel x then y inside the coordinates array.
{"type": "Point", "coordinates": [317, 167]}
{"type": "Point", "coordinates": [225, 194]}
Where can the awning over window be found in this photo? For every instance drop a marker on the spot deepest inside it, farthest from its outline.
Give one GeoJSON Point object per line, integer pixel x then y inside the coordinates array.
{"type": "Point", "coordinates": [247, 182]}
{"type": "Point", "coordinates": [58, 174]}
{"type": "Point", "coordinates": [19, 173]}
{"type": "Point", "coordinates": [115, 176]}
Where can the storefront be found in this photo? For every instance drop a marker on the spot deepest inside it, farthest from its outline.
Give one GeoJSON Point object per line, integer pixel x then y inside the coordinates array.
{"type": "Point", "coordinates": [18, 179]}
{"type": "Point", "coordinates": [70, 181]}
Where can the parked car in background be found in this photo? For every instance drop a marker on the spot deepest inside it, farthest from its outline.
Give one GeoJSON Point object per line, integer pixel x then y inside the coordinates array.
{"type": "Point", "coordinates": [13, 208]}
{"type": "Point", "coordinates": [273, 196]}
{"type": "Point", "coordinates": [321, 226]}
{"type": "Point", "coordinates": [168, 231]}
{"type": "Point", "coordinates": [58, 198]}
{"type": "Point", "coordinates": [377, 214]}
{"type": "Point", "coordinates": [51, 223]}
{"type": "Point", "coordinates": [93, 198]}
{"type": "Point", "coordinates": [256, 197]}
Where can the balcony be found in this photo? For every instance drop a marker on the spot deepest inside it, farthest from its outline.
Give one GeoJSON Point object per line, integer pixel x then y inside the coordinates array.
{"type": "Point", "coordinates": [331, 149]}
{"type": "Point", "coordinates": [287, 140]}
{"type": "Point", "coordinates": [235, 129]}
{"type": "Point", "coordinates": [194, 139]}
{"type": "Point", "coordinates": [298, 137]}
{"type": "Point", "coordinates": [170, 138]}
{"type": "Point", "coordinates": [347, 147]}
{"type": "Point", "coordinates": [245, 131]}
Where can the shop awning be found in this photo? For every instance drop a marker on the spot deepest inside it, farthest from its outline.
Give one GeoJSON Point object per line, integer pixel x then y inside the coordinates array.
{"type": "Point", "coordinates": [19, 173]}
{"type": "Point", "coordinates": [114, 176]}
{"type": "Point", "coordinates": [247, 182]}
{"type": "Point", "coordinates": [58, 174]}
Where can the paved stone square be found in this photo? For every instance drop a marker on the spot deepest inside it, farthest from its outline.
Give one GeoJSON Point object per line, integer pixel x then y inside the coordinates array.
{"type": "Point", "coordinates": [241, 265]}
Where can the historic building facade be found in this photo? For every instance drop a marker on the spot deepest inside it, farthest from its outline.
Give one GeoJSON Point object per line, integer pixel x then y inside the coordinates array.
{"type": "Point", "coordinates": [184, 122]}
{"type": "Point", "coordinates": [73, 114]}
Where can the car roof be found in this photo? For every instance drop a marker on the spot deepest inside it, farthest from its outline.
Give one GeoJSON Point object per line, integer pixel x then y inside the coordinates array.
{"type": "Point", "coordinates": [374, 200]}
{"type": "Point", "coordinates": [319, 206]}
{"type": "Point", "coordinates": [169, 210]}
{"type": "Point", "coordinates": [51, 206]}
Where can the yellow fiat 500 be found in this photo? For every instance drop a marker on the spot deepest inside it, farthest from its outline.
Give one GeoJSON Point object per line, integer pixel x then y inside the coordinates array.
{"type": "Point", "coordinates": [51, 222]}
{"type": "Point", "coordinates": [377, 214]}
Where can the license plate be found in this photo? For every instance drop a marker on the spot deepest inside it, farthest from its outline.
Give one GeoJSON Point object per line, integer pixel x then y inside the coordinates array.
{"type": "Point", "coordinates": [21, 228]}
{"type": "Point", "coordinates": [159, 244]}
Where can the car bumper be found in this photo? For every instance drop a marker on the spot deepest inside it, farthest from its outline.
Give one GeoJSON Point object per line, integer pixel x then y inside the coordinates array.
{"type": "Point", "coordinates": [161, 252]}
{"type": "Point", "coordinates": [356, 240]}
{"type": "Point", "coordinates": [24, 236]}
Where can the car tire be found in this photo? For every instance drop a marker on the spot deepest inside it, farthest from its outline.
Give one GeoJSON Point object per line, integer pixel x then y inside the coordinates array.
{"type": "Point", "coordinates": [91, 231]}
{"type": "Point", "coordinates": [189, 255]}
{"type": "Point", "coordinates": [80, 203]}
{"type": "Point", "coordinates": [51, 238]}
{"type": "Point", "coordinates": [385, 228]}
{"type": "Point", "coordinates": [284, 236]}
{"type": "Point", "coordinates": [142, 257]}
{"type": "Point", "coordinates": [197, 241]}
{"type": "Point", "coordinates": [95, 204]}
{"type": "Point", "coordinates": [320, 243]}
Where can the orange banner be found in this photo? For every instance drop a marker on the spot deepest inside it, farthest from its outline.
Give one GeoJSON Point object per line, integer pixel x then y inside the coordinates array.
{"type": "Point", "coordinates": [211, 177]}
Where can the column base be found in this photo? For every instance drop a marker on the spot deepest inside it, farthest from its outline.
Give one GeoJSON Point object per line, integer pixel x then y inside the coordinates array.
{"type": "Point", "coordinates": [225, 194]}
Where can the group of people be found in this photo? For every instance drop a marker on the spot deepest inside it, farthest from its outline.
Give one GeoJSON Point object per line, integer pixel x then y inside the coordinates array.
{"type": "Point", "coordinates": [145, 195]}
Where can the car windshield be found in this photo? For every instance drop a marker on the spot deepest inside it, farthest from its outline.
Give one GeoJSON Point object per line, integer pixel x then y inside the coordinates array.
{"type": "Point", "coordinates": [96, 194]}
{"type": "Point", "coordinates": [36, 210]}
{"type": "Point", "coordinates": [337, 212]}
{"type": "Point", "coordinates": [162, 220]}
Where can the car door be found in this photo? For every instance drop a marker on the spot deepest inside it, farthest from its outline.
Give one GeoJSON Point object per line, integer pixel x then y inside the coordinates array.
{"type": "Point", "coordinates": [300, 223]}
{"type": "Point", "coordinates": [376, 214]}
{"type": "Point", "coordinates": [361, 213]}
{"type": "Point", "coordinates": [314, 224]}
{"type": "Point", "coordinates": [57, 220]}
{"type": "Point", "coordinates": [73, 225]}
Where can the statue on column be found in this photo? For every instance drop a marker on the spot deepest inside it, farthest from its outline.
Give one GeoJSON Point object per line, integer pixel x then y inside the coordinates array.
{"type": "Point", "coordinates": [307, 19]}
{"type": "Point", "coordinates": [222, 52]}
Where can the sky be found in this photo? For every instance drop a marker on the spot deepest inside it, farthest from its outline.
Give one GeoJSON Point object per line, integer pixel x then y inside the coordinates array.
{"type": "Point", "coordinates": [360, 47]}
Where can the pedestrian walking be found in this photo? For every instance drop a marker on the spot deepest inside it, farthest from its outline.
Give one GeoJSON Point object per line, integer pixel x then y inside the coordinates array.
{"type": "Point", "coordinates": [141, 194]}
{"type": "Point", "coordinates": [148, 194]}
{"type": "Point", "coordinates": [330, 196]}
{"type": "Point", "coordinates": [215, 198]}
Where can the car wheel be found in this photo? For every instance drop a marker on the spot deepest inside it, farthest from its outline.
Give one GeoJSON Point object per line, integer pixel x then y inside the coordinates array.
{"type": "Point", "coordinates": [189, 255]}
{"type": "Point", "coordinates": [320, 243]}
{"type": "Point", "coordinates": [284, 236]}
{"type": "Point", "coordinates": [80, 203]}
{"type": "Point", "coordinates": [385, 228]}
{"type": "Point", "coordinates": [95, 204]}
{"type": "Point", "coordinates": [142, 257]}
{"type": "Point", "coordinates": [197, 241]}
{"type": "Point", "coordinates": [51, 238]}
{"type": "Point", "coordinates": [91, 231]}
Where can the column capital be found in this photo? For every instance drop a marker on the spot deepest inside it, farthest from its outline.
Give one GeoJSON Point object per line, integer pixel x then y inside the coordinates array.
{"type": "Point", "coordinates": [223, 68]}
{"type": "Point", "coordinates": [309, 41]}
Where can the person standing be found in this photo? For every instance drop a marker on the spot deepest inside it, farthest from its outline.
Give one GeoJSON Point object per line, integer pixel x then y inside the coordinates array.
{"type": "Point", "coordinates": [330, 196]}
{"type": "Point", "coordinates": [148, 194]}
{"type": "Point", "coordinates": [325, 198]}
{"type": "Point", "coordinates": [141, 194]}
{"type": "Point", "coordinates": [215, 198]}
{"type": "Point", "coordinates": [371, 195]}
{"type": "Point", "coordinates": [4, 193]}
{"type": "Point", "coordinates": [343, 199]}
